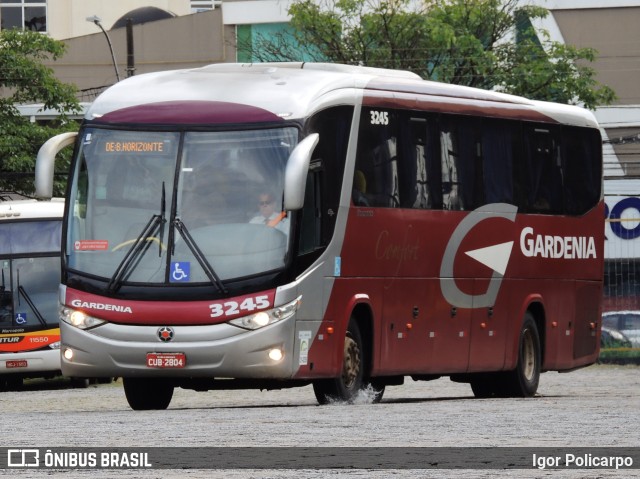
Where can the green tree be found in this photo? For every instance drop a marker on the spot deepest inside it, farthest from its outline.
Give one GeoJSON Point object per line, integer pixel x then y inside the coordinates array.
{"type": "Point", "coordinates": [24, 80]}
{"type": "Point", "coordinates": [488, 44]}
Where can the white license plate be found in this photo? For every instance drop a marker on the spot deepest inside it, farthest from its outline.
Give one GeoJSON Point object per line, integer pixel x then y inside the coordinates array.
{"type": "Point", "coordinates": [166, 360]}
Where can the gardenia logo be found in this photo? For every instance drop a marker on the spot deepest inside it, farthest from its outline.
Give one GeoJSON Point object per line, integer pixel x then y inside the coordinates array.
{"type": "Point", "coordinates": [101, 306]}
{"type": "Point", "coordinates": [565, 247]}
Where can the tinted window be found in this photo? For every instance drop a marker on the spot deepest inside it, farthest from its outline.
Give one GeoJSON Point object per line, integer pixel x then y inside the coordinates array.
{"type": "Point", "coordinates": [30, 237]}
{"type": "Point", "coordinates": [582, 153]}
{"type": "Point", "coordinates": [376, 177]}
{"type": "Point", "coordinates": [414, 159]}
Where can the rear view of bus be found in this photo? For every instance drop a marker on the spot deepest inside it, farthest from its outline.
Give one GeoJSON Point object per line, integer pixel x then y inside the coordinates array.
{"type": "Point", "coordinates": [30, 259]}
{"type": "Point", "coordinates": [276, 225]}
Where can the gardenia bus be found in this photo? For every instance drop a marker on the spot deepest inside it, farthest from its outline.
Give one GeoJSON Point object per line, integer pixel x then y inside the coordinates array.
{"type": "Point", "coordinates": [427, 230]}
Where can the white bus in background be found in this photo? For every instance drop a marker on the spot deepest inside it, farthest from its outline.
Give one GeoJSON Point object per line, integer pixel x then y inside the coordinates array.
{"type": "Point", "coordinates": [30, 260]}
{"type": "Point", "coordinates": [30, 233]}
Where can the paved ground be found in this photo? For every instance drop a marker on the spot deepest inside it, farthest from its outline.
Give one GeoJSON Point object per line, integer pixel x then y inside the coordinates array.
{"type": "Point", "coordinates": [592, 407]}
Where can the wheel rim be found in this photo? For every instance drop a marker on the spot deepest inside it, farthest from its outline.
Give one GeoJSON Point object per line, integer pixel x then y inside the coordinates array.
{"type": "Point", "coordinates": [528, 355]}
{"type": "Point", "coordinates": [351, 365]}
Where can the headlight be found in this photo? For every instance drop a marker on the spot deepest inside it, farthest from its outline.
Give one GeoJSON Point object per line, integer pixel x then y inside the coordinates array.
{"type": "Point", "coordinates": [264, 318]}
{"type": "Point", "coordinates": [78, 318]}
{"type": "Point", "coordinates": [55, 345]}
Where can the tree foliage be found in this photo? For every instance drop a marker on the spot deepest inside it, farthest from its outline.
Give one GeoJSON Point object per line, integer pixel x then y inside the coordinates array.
{"type": "Point", "coordinates": [488, 44]}
{"type": "Point", "coordinates": [25, 80]}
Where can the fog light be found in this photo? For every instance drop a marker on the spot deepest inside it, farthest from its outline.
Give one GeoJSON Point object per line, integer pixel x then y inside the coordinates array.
{"type": "Point", "coordinates": [275, 354]}
{"type": "Point", "coordinates": [68, 354]}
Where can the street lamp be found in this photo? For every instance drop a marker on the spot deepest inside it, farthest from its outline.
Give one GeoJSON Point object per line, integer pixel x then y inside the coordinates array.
{"type": "Point", "coordinates": [96, 19]}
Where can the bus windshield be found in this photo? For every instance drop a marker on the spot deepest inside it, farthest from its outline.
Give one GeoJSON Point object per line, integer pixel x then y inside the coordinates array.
{"type": "Point", "coordinates": [30, 275]}
{"type": "Point", "coordinates": [171, 207]}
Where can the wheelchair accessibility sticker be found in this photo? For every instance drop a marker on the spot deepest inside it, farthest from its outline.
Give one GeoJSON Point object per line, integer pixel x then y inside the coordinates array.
{"type": "Point", "coordinates": [180, 271]}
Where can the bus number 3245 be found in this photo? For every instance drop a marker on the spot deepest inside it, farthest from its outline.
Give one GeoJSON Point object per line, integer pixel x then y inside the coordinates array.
{"type": "Point", "coordinates": [233, 308]}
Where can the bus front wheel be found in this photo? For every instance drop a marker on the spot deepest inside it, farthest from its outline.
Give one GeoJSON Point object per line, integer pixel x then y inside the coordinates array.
{"type": "Point", "coordinates": [147, 393]}
{"type": "Point", "coordinates": [352, 379]}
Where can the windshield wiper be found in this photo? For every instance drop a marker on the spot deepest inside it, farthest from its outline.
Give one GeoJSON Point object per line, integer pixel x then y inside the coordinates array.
{"type": "Point", "coordinates": [140, 245]}
{"type": "Point", "coordinates": [23, 292]}
{"type": "Point", "coordinates": [199, 255]}
{"type": "Point", "coordinates": [163, 210]}
{"type": "Point", "coordinates": [25, 295]}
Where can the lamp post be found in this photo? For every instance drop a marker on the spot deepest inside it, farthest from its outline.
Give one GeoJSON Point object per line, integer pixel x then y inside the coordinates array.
{"type": "Point", "coordinates": [96, 19]}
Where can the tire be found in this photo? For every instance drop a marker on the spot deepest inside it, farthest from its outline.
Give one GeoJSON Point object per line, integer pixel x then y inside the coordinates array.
{"type": "Point", "coordinates": [352, 380]}
{"type": "Point", "coordinates": [485, 385]}
{"type": "Point", "coordinates": [13, 383]}
{"type": "Point", "coordinates": [145, 394]}
{"type": "Point", "coordinates": [523, 380]}
{"type": "Point", "coordinates": [80, 383]}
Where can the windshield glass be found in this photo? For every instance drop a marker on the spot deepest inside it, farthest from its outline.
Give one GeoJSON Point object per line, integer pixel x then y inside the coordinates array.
{"type": "Point", "coordinates": [29, 293]}
{"type": "Point", "coordinates": [198, 207]}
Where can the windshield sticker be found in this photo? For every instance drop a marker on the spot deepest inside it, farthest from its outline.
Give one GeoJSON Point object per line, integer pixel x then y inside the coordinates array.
{"type": "Point", "coordinates": [21, 318]}
{"type": "Point", "coordinates": [91, 245]}
{"type": "Point", "coordinates": [180, 271]}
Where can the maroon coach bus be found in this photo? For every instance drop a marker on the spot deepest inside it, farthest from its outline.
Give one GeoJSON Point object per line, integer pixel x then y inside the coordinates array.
{"type": "Point", "coordinates": [276, 225]}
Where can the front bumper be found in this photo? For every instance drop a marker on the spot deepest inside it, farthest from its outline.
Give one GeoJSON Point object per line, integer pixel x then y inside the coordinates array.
{"type": "Point", "coordinates": [30, 364]}
{"type": "Point", "coordinates": [219, 350]}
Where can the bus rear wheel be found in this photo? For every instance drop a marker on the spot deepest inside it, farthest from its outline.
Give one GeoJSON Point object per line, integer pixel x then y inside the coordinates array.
{"type": "Point", "coordinates": [144, 394]}
{"type": "Point", "coordinates": [352, 379]}
{"type": "Point", "coordinates": [523, 380]}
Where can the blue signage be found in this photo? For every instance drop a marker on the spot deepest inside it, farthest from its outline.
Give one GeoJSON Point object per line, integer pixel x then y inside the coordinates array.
{"type": "Point", "coordinates": [180, 272]}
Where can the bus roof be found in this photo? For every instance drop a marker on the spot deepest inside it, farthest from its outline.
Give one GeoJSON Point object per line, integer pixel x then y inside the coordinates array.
{"type": "Point", "coordinates": [295, 90]}
{"type": "Point", "coordinates": [31, 209]}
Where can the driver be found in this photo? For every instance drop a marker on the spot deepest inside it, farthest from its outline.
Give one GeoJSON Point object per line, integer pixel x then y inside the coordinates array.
{"type": "Point", "coordinates": [267, 214]}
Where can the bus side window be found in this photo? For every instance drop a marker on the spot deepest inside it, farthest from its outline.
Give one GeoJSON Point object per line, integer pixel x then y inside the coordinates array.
{"type": "Point", "coordinates": [469, 161]}
{"type": "Point", "coordinates": [545, 173]}
{"type": "Point", "coordinates": [311, 227]}
{"type": "Point", "coordinates": [450, 160]}
{"type": "Point", "coordinates": [581, 151]}
{"type": "Point", "coordinates": [419, 166]}
{"type": "Point", "coordinates": [497, 155]}
{"type": "Point", "coordinates": [377, 158]}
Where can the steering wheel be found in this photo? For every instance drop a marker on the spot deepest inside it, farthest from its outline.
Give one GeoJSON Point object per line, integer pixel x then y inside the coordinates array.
{"type": "Point", "coordinates": [149, 239]}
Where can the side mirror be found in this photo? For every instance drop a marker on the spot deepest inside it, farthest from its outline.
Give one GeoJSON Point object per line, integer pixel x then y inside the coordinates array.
{"type": "Point", "coordinates": [45, 162]}
{"type": "Point", "coordinates": [295, 175]}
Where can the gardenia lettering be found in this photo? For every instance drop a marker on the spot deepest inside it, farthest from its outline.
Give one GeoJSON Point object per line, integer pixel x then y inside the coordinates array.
{"type": "Point", "coordinates": [101, 306]}
{"type": "Point", "coordinates": [564, 247]}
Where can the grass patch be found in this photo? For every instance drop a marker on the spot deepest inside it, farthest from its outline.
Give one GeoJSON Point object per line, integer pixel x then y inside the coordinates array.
{"type": "Point", "coordinates": [620, 356]}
